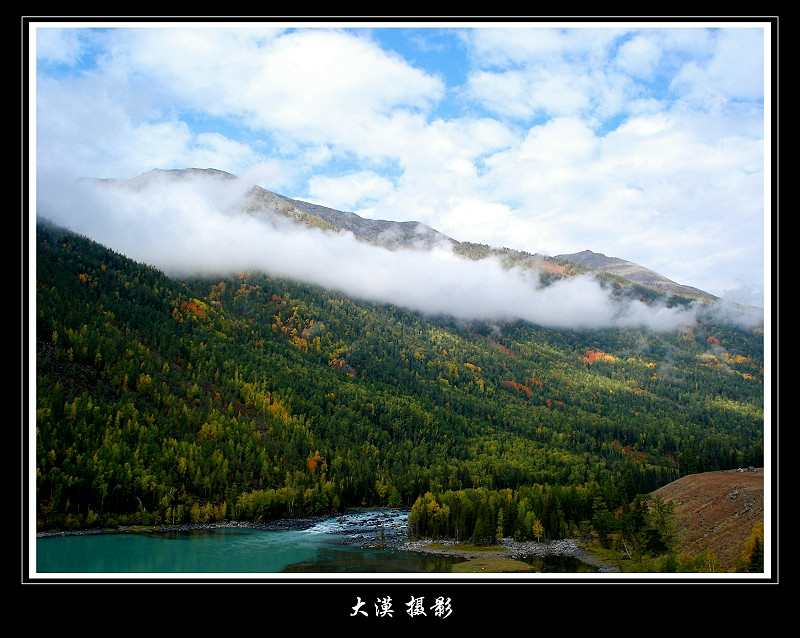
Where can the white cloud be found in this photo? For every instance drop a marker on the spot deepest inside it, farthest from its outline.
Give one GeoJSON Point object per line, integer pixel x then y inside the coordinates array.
{"type": "Point", "coordinates": [348, 192]}
{"type": "Point", "coordinates": [639, 56]}
{"type": "Point", "coordinates": [191, 226]}
{"type": "Point", "coordinates": [314, 85]}
{"type": "Point", "coordinates": [733, 71]}
{"type": "Point", "coordinates": [528, 45]}
{"type": "Point", "coordinates": [58, 46]}
{"type": "Point", "coordinates": [642, 143]}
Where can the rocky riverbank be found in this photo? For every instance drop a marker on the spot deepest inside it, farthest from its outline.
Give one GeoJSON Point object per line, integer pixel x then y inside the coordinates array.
{"type": "Point", "coordinates": [511, 549]}
{"type": "Point", "coordinates": [507, 546]}
{"type": "Point", "coordinates": [285, 524]}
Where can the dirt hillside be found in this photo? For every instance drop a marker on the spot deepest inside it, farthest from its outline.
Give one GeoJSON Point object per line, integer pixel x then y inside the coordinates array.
{"type": "Point", "coordinates": [716, 511]}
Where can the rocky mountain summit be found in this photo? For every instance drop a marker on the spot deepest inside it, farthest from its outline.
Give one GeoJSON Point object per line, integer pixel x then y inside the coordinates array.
{"type": "Point", "coordinates": [389, 234]}
{"type": "Point", "coordinates": [277, 209]}
{"type": "Point", "coordinates": [274, 208]}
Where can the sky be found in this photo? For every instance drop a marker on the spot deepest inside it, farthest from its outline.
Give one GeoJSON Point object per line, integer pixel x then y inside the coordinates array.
{"type": "Point", "coordinates": [644, 141]}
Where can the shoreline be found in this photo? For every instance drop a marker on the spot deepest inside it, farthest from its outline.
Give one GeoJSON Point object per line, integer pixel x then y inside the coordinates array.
{"type": "Point", "coordinates": [371, 528]}
{"type": "Point", "coordinates": [281, 525]}
{"type": "Point", "coordinates": [377, 519]}
{"type": "Point", "coordinates": [511, 549]}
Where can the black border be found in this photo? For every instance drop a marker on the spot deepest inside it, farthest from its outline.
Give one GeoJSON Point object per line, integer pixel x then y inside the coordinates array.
{"type": "Point", "coordinates": [327, 599]}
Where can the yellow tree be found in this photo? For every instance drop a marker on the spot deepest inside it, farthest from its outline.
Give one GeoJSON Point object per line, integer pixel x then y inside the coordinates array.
{"type": "Point", "coordinates": [752, 558]}
{"type": "Point", "coordinates": [537, 529]}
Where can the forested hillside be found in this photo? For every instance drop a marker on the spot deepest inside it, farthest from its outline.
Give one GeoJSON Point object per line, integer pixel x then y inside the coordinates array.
{"type": "Point", "coordinates": [250, 397]}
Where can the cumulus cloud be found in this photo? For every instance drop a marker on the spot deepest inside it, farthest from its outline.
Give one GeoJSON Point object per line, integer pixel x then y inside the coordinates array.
{"type": "Point", "coordinates": [345, 193]}
{"type": "Point", "coordinates": [643, 143]}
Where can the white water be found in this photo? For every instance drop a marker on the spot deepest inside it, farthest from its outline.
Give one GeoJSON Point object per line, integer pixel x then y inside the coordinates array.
{"type": "Point", "coordinates": [353, 542]}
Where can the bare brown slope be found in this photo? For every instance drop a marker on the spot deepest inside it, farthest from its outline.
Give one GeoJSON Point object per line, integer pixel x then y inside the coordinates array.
{"type": "Point", "coordinates": [716, 511]}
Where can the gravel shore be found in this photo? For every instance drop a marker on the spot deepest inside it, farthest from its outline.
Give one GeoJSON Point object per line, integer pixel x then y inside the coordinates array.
{"type": "Point", "coordinates": [510, 548]}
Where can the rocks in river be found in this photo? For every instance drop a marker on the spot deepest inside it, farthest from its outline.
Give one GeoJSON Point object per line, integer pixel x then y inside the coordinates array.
{"type": "Point", "coordinates": [289, 524]}
{"type": "Point", "coordinates": [369, 527]}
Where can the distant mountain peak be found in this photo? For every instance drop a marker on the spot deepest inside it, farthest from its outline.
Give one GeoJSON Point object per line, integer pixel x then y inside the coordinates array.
{"type": "Point", "coordinates": [273, 208]}
{"type": "Point", "coordinates": [186, 172]}
{"type": "Point", "coordinates": [635, 273]}
{"type": "Point", "coordinates": [389, 234]}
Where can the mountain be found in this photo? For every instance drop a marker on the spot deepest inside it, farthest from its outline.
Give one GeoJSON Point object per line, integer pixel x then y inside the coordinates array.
{"type": "Point", "coordinates": [271, 207]}
{"type": "Point", "coordinates": [277, 209]}
{"type": "Point", "coordinates": [389, 234]}
{"type": "Point", "coordinates": [252, 397]}
{"type": "Point", "coordinates": [636, 273]}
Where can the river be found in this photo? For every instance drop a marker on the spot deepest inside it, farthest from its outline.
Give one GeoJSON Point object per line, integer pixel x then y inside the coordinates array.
{"type": "Point", "coordinates": [358, 542]}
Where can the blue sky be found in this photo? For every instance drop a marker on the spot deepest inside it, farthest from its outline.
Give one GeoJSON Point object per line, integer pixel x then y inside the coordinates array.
{"type": "Point", "coordinates": [646, 142]}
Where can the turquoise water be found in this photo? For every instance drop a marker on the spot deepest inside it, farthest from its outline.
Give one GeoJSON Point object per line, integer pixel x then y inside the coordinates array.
{"type": "Point", "coordinates": [348, 544]}
{"type": "Point", "coordinates": [217, 551]}
{"type": "Point", "coordinates": [334, 546]}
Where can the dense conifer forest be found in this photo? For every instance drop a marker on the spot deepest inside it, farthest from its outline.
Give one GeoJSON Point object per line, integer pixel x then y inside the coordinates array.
{"type": "Point", "coordinates": [250, 397]}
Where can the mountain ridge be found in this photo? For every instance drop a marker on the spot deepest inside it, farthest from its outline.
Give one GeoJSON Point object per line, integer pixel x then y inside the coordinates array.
{"type": "Point", "coordinates": [636, 273]}
{"type": "Point", "coordinates": [266, 204]}
{"type": "Point", "coordinates": [272, 207]}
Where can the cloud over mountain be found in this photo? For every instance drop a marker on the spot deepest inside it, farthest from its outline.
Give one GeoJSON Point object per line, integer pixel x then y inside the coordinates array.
{"type": "Point", "coordinates": [646, 141]}
{"type": "Point", "coordinates": [201, 226]}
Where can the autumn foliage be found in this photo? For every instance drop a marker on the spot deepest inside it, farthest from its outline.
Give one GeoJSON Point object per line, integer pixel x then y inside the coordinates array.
{"type": "Point", "coordinates": [594, 355]}
{"type": "Point", "coordinates": [192, 307]}
{"type": "Point", "coordinates": [519, 386]}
